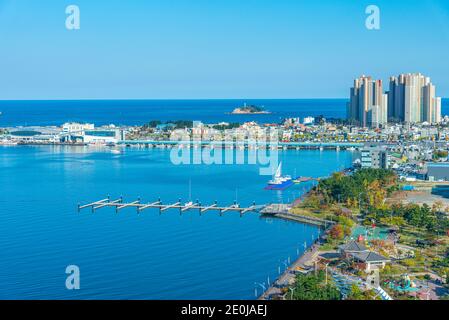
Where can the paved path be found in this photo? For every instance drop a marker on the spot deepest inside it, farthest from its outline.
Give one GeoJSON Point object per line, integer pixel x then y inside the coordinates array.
{"type": "Point", "coordinates": [302, 262]}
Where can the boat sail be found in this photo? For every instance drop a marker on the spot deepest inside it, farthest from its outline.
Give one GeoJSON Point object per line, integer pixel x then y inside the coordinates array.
{"type": "Point", "coordinates": [278, 178]}
{"type": "Point", "coordinates": [278, 173]}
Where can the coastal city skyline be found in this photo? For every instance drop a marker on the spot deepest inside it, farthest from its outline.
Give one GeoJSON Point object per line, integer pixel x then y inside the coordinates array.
{"type": "Point", "coordinates": [411, 98]}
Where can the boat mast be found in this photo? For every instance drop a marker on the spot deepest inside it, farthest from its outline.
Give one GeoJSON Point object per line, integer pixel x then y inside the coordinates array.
{"type": "Point", "coordinates": [190, 189]}
{"type": "Point", "coordinates": [279, 171]}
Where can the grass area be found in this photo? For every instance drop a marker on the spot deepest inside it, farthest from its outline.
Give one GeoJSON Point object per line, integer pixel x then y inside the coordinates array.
{"type": "Point", "coordinates": [426, 256]}
{"type": "Point", "coordinates": [313, 213]}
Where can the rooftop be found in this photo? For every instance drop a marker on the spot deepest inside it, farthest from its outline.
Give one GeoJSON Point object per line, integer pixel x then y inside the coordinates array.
{"type": "Point", "coordinates": [369, 256]}
{"type": "Point", "coordinates": [354, 246]}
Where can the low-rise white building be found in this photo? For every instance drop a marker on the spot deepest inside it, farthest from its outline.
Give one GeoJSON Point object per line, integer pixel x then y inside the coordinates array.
{"type": "Point", "coordinates": [74, 127]}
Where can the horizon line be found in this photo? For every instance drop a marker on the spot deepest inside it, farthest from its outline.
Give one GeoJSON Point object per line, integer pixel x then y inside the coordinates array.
{"type": "Point", "coordinates": [165, 99]}
{"type": "Point", "coordinates": [176, 99]}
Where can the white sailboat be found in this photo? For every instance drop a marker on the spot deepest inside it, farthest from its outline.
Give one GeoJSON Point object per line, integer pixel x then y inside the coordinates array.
{"type": "Point", "coordinates": [278, 178]}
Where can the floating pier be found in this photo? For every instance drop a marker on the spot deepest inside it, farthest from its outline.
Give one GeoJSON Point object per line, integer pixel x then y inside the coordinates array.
{"type": "Point", "coordinates": [118, 204]}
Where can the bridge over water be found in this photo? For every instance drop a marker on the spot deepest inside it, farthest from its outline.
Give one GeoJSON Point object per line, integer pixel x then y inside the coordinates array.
{"type": "Point", "coordinates": [335, 145]}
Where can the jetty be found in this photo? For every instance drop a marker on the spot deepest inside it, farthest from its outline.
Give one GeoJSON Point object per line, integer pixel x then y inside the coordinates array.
{"type": "Point", "coordinates": [119, 204]}
{"type": "Point", "coordinates": [283, 211]}
{"type": "Point", "coordinates": [307, 179]}
{"type": "Point", "coordinates": [269, 210]}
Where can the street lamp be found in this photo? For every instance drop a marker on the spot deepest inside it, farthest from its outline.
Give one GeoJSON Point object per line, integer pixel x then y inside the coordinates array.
{"type": "Point", "coordinates": [326, 264]}
{"type": "Point", "coordinates": [291, 291]}
{"type": "Point", "coordinates": [262, 285]}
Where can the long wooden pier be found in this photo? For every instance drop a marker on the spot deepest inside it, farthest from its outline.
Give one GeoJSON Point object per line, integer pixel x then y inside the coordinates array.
{"type": "Point", "coordinates": [119, 204]}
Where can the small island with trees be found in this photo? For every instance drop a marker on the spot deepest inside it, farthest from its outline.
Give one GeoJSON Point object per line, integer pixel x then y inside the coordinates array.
{"type": "Point", "coordinates": [250, 109]}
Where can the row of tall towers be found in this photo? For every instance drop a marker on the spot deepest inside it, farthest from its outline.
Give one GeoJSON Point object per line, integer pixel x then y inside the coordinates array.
{"type": "Point", "coordinates": [411, 99]}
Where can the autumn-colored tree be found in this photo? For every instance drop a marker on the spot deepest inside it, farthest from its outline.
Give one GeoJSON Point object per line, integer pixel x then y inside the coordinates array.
{"type": "Point", "coordinates": [376, 194]}
{"type": "Point", "coordinates": [365, 188]}
{"type": "Point", "coordinates": [337, 232]}
{"type": "Point", "coordinates": [393, 221]}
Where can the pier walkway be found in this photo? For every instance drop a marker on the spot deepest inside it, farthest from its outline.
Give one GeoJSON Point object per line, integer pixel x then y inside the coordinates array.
{"type": "Point", "coordinates": [288, 277]}
{"type": "Point", "coordinates": [283, 211]}
{"type": "Point", "coordinates": [118, 204]}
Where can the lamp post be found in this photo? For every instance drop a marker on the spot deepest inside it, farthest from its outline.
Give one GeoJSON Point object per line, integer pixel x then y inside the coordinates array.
{"type": "Point", "coordinates": [291, 293]}
{"type": "Point", "coordinates": [326, 264]}
{"type": "Point", "coordinates": [262, 285]}
{"type": "Point", "coordinates": [285, 264]}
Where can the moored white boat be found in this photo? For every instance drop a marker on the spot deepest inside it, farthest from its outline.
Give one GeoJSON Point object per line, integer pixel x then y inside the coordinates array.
{"type": "Point", "coordinates": [278, 178]}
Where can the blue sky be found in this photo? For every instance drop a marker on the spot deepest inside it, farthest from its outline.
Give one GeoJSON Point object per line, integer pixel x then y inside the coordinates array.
{"type": "Point", "coordinates": [153, 49]}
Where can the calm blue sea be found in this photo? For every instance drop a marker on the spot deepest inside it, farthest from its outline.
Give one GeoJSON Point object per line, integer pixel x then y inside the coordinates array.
{"type": "Point", "coordinates": [146, 256]}
{"type": "Point", "coordinates": [135, 112]}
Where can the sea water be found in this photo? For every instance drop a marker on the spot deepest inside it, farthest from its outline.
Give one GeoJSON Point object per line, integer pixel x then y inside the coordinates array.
{"type": "Point", "coordinates": [147, 255]}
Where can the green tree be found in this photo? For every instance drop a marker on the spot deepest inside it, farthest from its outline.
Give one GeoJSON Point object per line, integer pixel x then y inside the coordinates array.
{"type": "Point", "coordinates": [355, 293]}
{"type": "Point", "coordinates": [314, 287]}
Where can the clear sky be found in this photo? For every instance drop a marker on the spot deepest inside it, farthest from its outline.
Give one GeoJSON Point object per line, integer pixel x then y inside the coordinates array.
{"type": "Point", "coordinates": [153, 49]}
